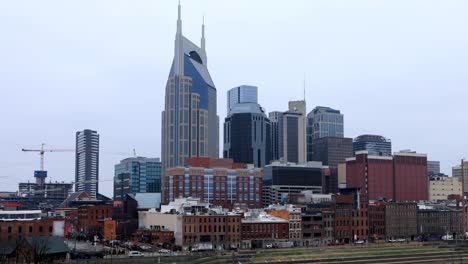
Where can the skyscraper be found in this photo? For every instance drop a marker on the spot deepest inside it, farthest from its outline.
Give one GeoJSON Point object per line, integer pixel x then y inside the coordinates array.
{"type": "Point", "coordinates": [241, 94]}
{"type": "Point", "coordinates": [247, 135]}
{"type": "Point", "coordinates": [373, 144]}
{"type": "Point", "coordinates": [323, 122]}
{"type": "Point", "coordinates": [276, 126]}
{"type": "Point", "coordinates": [189, 120]}
{"type": "Point", "coordinates": [87, 162]}
{"type": "Point", "coordinates": [137, 175]}
{"type": "Point", "coordinates": [433, 167]}
{"type": "Point", "coordinates": [294, 132]}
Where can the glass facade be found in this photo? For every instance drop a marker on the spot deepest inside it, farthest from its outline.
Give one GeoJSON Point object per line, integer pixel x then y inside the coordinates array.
{"type": "Point", "coordinates": [375, 145]}
{"type": "Point", "coordinates": [137, 175]}
{"type": "Point", "coordinates": [323, 122]}
{"type": "Point", "coordinates": [241, 94]}
{"type": "Point", "coordinates": [276, 124]}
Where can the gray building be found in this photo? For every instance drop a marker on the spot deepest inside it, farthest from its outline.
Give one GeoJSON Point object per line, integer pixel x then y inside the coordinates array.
{"type": "Point", "coordinates": [247, 135]}
{"type": "Point", "coordinates": [190, 125]}
{"type": "Point", "coordinates": [87, 162]}
{"type": "Point", "coordinates": [375, 145]}
{"type": "Point", "coordinates": [282, 179]}
{"type": "Point", "coordinates": [241, 94]}
{"type": "Point", "coordinates": [276, 123]}
{"type": "Point", "coordinates": [332, 151]}
{"type": "Point", "coordinates": [323, 122]}
{"type": "Point", "coordinates": [137, 175]}
{"type": "Point", "coordinates": [294, 132]}
{"type": "Point", "coordinates": [433, 167]}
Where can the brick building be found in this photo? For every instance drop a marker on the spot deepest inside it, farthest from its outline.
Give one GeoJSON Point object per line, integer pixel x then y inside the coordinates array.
{"type": "Point", "coordinates": [293, 215]}
{"type": "Point", "coordinates": [10, 231]}
{"type": "Point", "coordinates": [401, 220]}
{"type": "Point", "coordinates": [154, 236]}
{"type": "Point", "coordinates": [217, 185]}
{"type": "Point", "coordinates": [222, 230]}
{"type": "Point", "coordinates": [436, 220]}
{"type": "Point", "coordinates": [376, 213]}
{"type": "Point", "coordinates": [91, 217]}
{"type": "Point", "coordinates": [259, 228]}
{"type": "Point", "coordinates": [400, 178]}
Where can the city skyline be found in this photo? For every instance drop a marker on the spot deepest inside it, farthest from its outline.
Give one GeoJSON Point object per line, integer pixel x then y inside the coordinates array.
{"type": "Point", "coordinates": [47, 85]}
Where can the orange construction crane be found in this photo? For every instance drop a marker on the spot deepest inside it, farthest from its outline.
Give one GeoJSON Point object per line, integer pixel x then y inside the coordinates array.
{"type": "Point", "coordinates": [41, 175]}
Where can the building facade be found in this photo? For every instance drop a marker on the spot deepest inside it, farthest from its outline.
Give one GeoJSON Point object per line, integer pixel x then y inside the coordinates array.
{"type": "Point", "coordinates": [440, 188]}
{"type": "Point", "coordinates": [259, 228]}
{"type": "Point", "coordinates": [190, 125]}
{"type": "Point", "coordinates": [247, 135]}
{"type": "Point", "coordinates": [332, 151]}
{"type": "Point", "coordinates": [280, 180]}
{"type": "Point", "coordinates": [400, 178]}
{"type": "Point", "coordinates": [137, 175]}
{"type": "Point", "coordinates": [401, 220]}
{"type": "Point", "coordinates": [241, 94]}
{"type": "Point", "coordinates": [375, 145]}
{"type": "Point", "coordinates": [457, 172]}
{"type": "Point", "coordinates": [294, 132]}
{"type": "Point", "coordinates": [433, 167]}
{"type": "Point", "coordinates": [276, 122]}
{"type": "Point", "coordinates": [323, 122]}
{"type": "Point", "coordinates": [218, 186]}
{"type": "Point", "coordinates": [87, 162]}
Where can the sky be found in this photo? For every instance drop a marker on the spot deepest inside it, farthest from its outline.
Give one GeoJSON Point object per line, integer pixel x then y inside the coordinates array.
{"type": "Point", "coordinates": [398, 68]}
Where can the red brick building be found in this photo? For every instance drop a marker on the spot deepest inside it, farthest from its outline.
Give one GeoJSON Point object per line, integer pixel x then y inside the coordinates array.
{"type": "Point", "coordinates": [10, 231]}
{"type": "Point", "coordinates": [91, 217]}
{"type": "Point", "coordinates": [376, 220]}
{"type": "Point", "coordinates": [400, 178]}
{"type": "Point", "coordinates": [217, 185]}
{"type": "Point", "coordinates": [256, 230]}
{"type": "Point", "coordinates": [220, 230]}
{"type": "Point", "coordinates": [154, 236]}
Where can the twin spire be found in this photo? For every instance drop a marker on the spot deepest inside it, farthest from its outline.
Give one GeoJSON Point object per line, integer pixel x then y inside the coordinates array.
{"type": "Point", "coordinates": [179, 27]}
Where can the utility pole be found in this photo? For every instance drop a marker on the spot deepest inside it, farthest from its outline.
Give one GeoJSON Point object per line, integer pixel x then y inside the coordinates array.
{"type": "Point", "coordinates": [463, 198]}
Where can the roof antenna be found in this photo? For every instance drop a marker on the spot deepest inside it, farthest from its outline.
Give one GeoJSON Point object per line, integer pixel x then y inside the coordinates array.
{"type": "Point", "coordinates": [304, 87]}
{"type": "Point", "coordinates": [134, 153]}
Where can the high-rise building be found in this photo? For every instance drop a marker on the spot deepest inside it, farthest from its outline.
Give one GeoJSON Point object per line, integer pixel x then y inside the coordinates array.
{"type": "Point", "coordinates": [190, 125]}
{"type": "Point", "coordinates": [294, 132]}
{"type": "Point", "coordinates": [247, 135]}
{"type": "Point", "coordinates": [433, 167]}
{"type": "Point", "coordinates": [457, 172]}
{"type": "Point", "coordinates": [375, 145]}
{"type": "Point", "coordinates": [241, 94]}
{"type": "Point", "coordinates": [323, 122]}
{"type": "Point", "coordinates": [401, 177]}
{"type": "Point", "coordinates": [276, 126]}
{"type": "Point", "coordinates": [137, 175]}
{"type": "Point", "coordinates": [332, 151]}
{"type": "Point", "coordinates": [87, 162]}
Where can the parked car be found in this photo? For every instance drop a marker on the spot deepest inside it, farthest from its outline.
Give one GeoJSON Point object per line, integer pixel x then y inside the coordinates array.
{"type": "Point", "coordinates": [269, 245]}
{"type": "Point", "coordinates": [135, 254]}
{"type": "Point", "coordinates": [164, 251]}
{"type": "Point", "coordinates": [359, 242]}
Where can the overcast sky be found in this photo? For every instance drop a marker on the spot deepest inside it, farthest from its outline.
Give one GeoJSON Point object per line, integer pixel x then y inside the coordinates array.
{"type": "Point", "coordinates": [395, 68]}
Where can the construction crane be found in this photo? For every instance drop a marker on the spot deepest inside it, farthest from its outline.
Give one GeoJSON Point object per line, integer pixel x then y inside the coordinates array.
{"type": "Point", "coordinates": [41, 175]}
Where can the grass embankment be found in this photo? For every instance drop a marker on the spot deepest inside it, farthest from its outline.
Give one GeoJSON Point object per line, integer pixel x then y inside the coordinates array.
{"type": "Point", "coordinates": [345, 252]}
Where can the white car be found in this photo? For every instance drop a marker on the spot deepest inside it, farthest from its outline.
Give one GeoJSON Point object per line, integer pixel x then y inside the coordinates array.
{"type": "Point", "coordinates": [269, 246]}
{"type": "Point", "coordinates": [359, 242]}
{"type": "Point", "coordinates": [135, 254]}
{"type": "Point", "coordinates": [164, 251]}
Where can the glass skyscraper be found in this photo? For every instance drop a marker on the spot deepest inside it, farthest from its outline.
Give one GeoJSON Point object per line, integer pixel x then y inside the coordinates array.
{"type": "Point", "coordinates": [323, 122]}
{"type": "Point", "coordinates": [87, 162]}
{"type": "Point", "coordinates": [374, 144]}
{"type": "Point", "coordinates": [190, 125]}
{"type": "Point", "coordinates": [276, 124]}
{"type": "Point", "coordinates": [137, 175]}
{"type": "Point", "coordinates": [241, 94]}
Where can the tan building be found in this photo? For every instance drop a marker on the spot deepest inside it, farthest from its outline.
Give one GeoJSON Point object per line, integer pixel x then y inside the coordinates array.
{"type": "Point", "coordinates": [441, 187]}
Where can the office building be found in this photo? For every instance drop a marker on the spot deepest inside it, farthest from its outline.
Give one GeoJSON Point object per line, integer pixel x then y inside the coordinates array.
{"type": "Point", "coordinates": [241, 94]}
{"type": "Point", "coordinates": [440, 188]}
{"type": "Point", "coordinates": [218, 185]}
{"type": "Point", "coordinates": [52, 193]}
{"type": "Point", "coordinates": [457, 173]}
{"type": "Point", "coordinates": [247, 135]}
{"type": "Point", "coordinates": [137, 175]}
{"type": "Point", "coordinates": [190, 125]}
{"type": "Point", "coordinates": [323, 122]}
{"type": "Point", "coordinates": [401, 177]}
{"type": "Point", "coordinates": [294, 132]}
{"type": "Point", "coordinates": [375, 145]}
{"type": "Point", "coordinates": [276, 126]}
{"type": "Point", "coordinates": [433, 167]}
{"type": "Point", "coordinates": [280, 180]}
{"type": "Point", "coordinates": [332, 151]}
{"type": "Point", "coordinates": [87, 162]}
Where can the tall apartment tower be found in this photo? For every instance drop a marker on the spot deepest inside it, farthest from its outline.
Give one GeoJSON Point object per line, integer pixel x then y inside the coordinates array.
{"type": "Point", "coordinates": [323, 122]}
{"type": "Point", "coordinates": [294, 132]}
{"type": "Point", "coordinates": [246, 129]}
{"type": "Point", "coordinates": [87, 162]}
{"type": "Point", "coordinates": [189, 121]}
{"type": "Point", "coordinates": [276, 124]}
{"type": "Point", "coordinates": [241, 94]}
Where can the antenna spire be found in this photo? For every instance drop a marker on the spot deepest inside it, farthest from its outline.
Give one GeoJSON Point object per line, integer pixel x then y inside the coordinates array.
{"type": "Point", "coordinates": [179, 20]}
{"type": "Point", "coordinates": [304, 87]}
{"type": "Point", "coordinates": [203, 34]}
